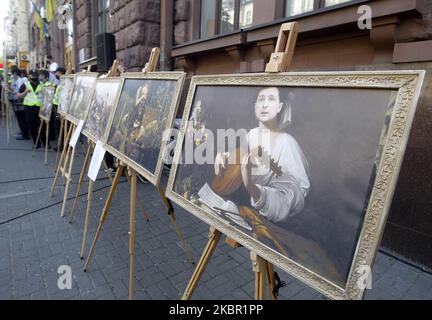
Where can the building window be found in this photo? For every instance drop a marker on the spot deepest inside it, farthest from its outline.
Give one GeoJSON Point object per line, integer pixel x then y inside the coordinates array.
{"type": "Point", "coordinates": [208, 18]}
{"type": "Point", "coordinates": [246, 13]}
{"type": "Point", "coordinates": [225, 16]}
{"type": "Point", "coordinates": [104, 19]}
{"type": "Point", "coordinates": [328, 3]}
{"type": "Point", "coordinates": [295, 7]}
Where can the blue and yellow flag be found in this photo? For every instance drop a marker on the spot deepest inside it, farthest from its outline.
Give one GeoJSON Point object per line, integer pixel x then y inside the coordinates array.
{"type": "Point", "coordinates": [50, 7]}
{"type": "Point", "coordinates": [43, 27]}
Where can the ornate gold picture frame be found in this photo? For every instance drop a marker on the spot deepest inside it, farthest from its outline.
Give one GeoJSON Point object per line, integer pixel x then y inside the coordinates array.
{"type": "Point", "coordinates": [348, 133]}
{"type": "Point", "coordinates": [102, 106]}
{"type": "Point", "coordinates": [81, 95]}
{"type": "Point", "coordinates": [145, 111]}
{"type": "Point", "coordinates": [66, 88]}
{"type": "Point", "coordinates": [47, 103]}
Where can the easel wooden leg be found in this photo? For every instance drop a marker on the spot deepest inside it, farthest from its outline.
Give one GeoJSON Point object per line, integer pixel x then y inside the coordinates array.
{"type": "Point", "coordinates": [259, 266]}
{"type": "Point", "coordinates": [140, 204]}
{"type": "Point", "coordinates": [271, 280]}
{"type": "Point", "coordinates": [37, 139]}
{"type": "Point", "coordinates": [46, 142]}
{"type": "Point", "coordinates": [263, 270]}
{"type": "Point", "coordinates": [62, 123]}
{"type": "Point", "coordinates": [104, 213]}
{"type": "Point", "coordinates": [68, 181]}
{"type": "Point", "coordinates": [107, 171]}
{"type": "Point", "coordinates": [87, 219]}
{"type": "Point", "coordinates": [63, 154]}
{"type": "Point", "coordinates": [81, 180]}
{"type": "Point", "coordinates": [214, 238]}
{"type": "Point", "coordinates": [66, 162]}
{"type": "Point", "coordinates": [141, 207]}
{"type": "Point", "coordinates": [133, 177]}
{"type": "Point", "coordinates": [173, 219]}
{"type": "Point", "coordinates": [7, 123]}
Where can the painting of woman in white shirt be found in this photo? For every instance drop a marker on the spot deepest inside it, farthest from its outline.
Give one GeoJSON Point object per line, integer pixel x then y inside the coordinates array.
{"type": "Point", "coordinates": [276, 197]}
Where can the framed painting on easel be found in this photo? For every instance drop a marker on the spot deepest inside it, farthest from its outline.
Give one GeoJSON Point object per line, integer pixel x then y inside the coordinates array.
{"type": "Point", "coordinates": [300, 168]}
{"type": "Point", "coordinates": [47, 103]}
{"type": "Point", "coordinates": [145, 111]}
{"type": "Point", "coordinates": [81, 96]}
{"type": "Point", "coordinates": [102, 105]}
{"type": "Point", "coordinates": [66, 89]}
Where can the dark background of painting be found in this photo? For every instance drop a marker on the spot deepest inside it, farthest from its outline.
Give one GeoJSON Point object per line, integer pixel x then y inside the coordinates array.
{"type": "Point", "coordinates": [101, 100]}
{"type": "Point", "coordinates": [338, 130]}
{"type": "Point", "coordinates": [66, 93]}
{"type": "Point", "coordinates": [83, 87]}
{"type": "Point", "coordinates": [161, 94]}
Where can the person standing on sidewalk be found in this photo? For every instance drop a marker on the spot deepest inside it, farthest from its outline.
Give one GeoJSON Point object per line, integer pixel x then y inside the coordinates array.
{"type": "Point", "coordinates": [17, 104]}
{"type": "Point", "coordinates": [30, 92]}
{"type": "Point", "coordinates": [55, 116]}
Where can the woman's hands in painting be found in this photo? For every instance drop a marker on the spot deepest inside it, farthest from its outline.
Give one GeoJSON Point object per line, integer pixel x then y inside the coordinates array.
{"type": "Point", "coordinates": [220, 163]}
{"type": "Point", "coordinates": [249, 162]}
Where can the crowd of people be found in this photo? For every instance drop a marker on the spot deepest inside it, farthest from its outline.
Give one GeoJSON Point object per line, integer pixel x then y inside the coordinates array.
{"type": "Point", "coordinates": [25, 92]}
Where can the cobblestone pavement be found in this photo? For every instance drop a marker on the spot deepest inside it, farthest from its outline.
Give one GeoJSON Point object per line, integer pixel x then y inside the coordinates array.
{"type": "Point", "coordinates": [35, 241]}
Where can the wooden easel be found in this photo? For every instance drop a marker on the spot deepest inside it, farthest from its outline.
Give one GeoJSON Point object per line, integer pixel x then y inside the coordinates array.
{"type": "Point", "coordinates": [63, 125]}
{"type": "Point", "coordinates": [91, 146]}
{"type": "Point", "coordinates": [64, 159]}
{"type": "Point", "coordinates": [10, 123]}
{"type": "Point", "coordinates": [9, 117]}
{"type": "Point", "coordinates": [87, 158]}
{"type": "Point", "coordinates": [90, 196]}
{"type": "Point", "coordinates": [132, 176]}
{"type": "Point", "coordinates": [280, 61]}
{"type": "Point", "coordinates": [42, 123]}
{"type": "Point", "coordinates": [66, 164]}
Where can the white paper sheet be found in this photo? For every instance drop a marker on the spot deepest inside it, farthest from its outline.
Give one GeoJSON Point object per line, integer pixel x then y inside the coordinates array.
{"type": "Point", "coordinates": [76, 134]}
{"type": "Point", "coordinates": [209, 198]}
{"type": "Point", "coordinates": [96, 161]}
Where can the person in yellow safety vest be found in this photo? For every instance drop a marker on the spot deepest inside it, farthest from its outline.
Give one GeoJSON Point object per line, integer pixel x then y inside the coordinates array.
{"type": "Point", "coordinates": [44, 81]}
{"type": "Point", "coordinates": [60, 71]}
{"type": "Point", "coordinates": [31, 91]}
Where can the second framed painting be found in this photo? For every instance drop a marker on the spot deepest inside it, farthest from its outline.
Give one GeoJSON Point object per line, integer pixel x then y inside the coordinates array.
{"type": "Point", "coordinates": [81, 96]}
{"type": "Point", "coordinates": [66, 89]}
{"type": "Point", "coordinates": [102, 106]}
{"type": "Point", "coordinates": [144, 115]}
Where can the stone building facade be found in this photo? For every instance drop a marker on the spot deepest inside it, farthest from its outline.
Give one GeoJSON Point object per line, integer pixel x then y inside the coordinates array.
{"type": "Point", "coordinates": [19, 11]}
{"type": "Point", "coordinates": [134, 23]}
{"type": "Point", "coordinates": [52, 47]}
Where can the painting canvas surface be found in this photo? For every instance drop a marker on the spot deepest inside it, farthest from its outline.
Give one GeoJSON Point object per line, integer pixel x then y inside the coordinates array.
{"type": "Point", "coordinates": [290, 170]}
{"type": "Point", "coordinates": [81, 96]}
{"type": "Point", "coordinates": [101, 108]}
